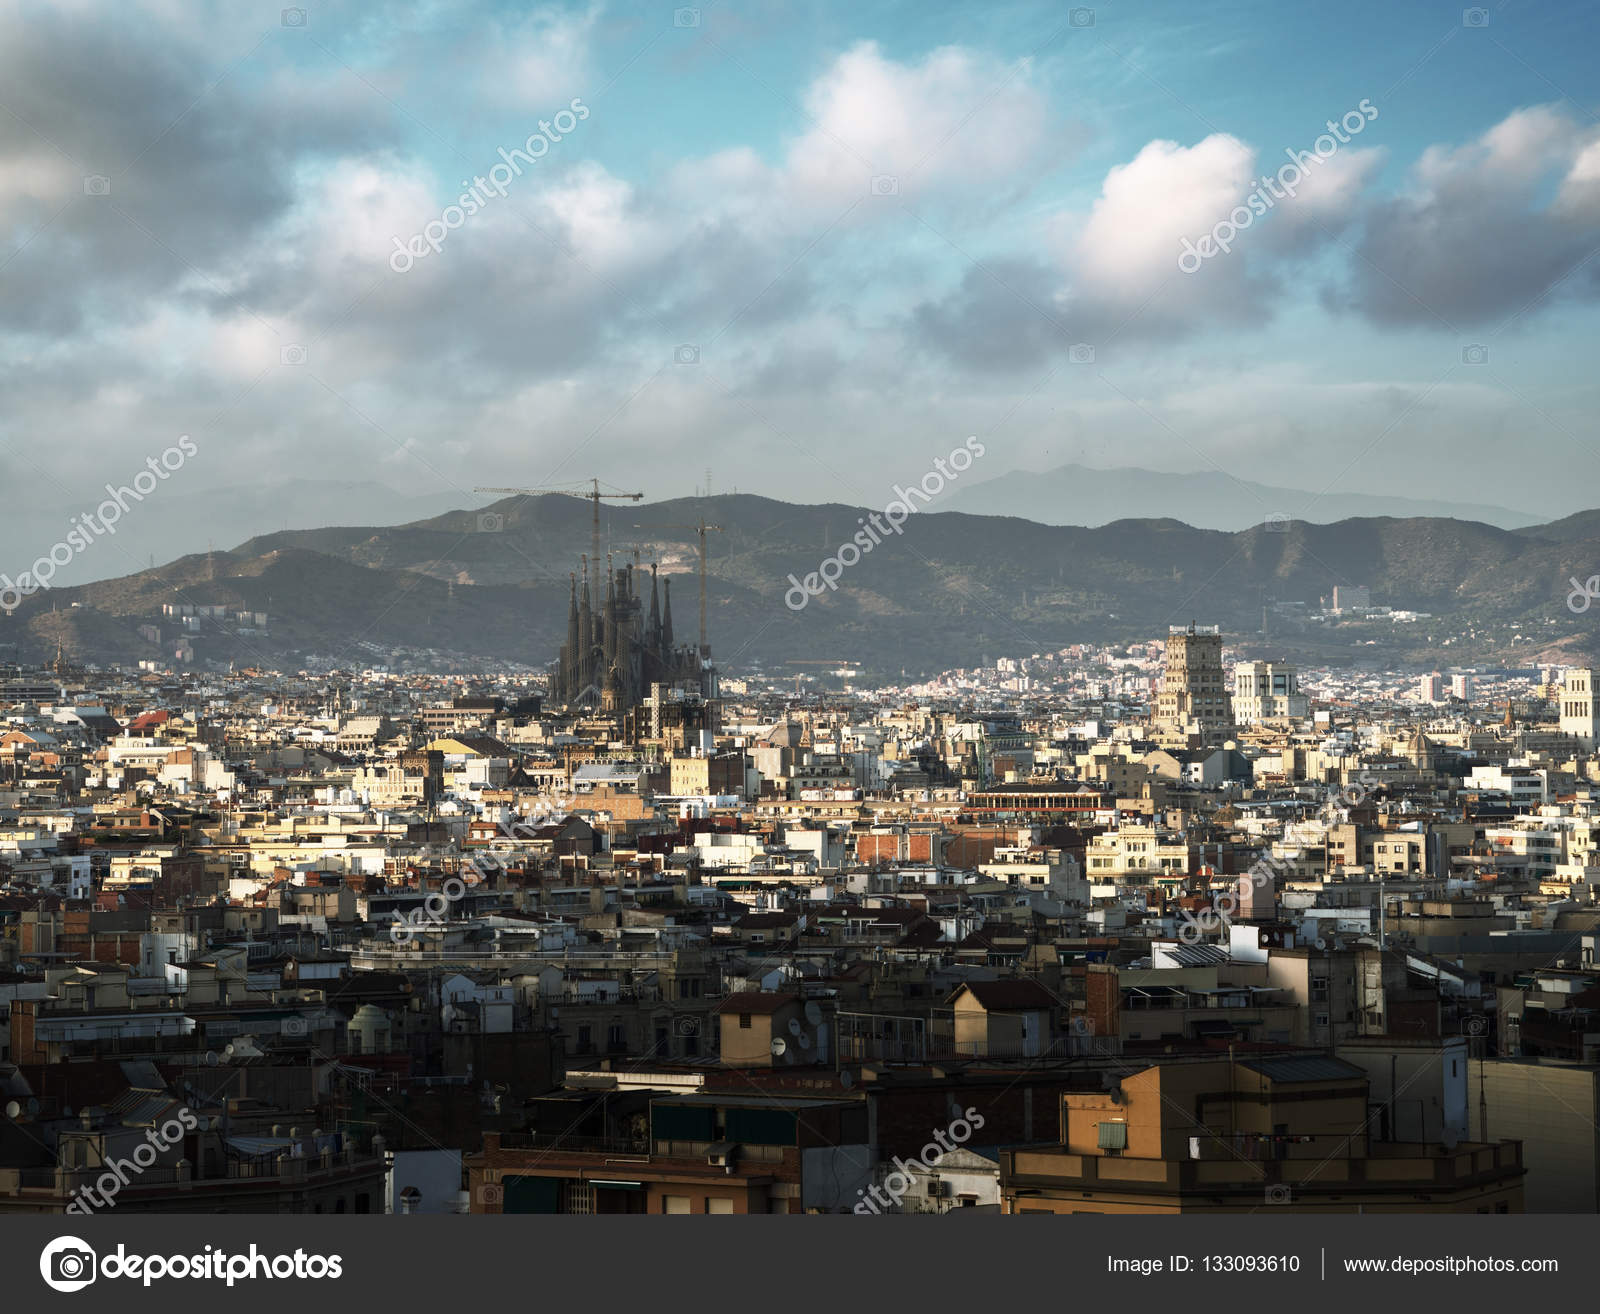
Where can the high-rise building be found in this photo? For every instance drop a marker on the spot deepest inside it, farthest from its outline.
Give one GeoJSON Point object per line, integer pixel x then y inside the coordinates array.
{"type": "Point", "coordinates": [1461, 687]}
{"type": "Point", "coordinates": [1430, 688]}
{"type": "Point", "coordinates": [1266, 691]}
{"type": "Point", "coordinates": [1578, 712]}
{"type": "Point", "coordinates": [1351, 597]}
{"type": "Point", "coordinates": [1193, 704]}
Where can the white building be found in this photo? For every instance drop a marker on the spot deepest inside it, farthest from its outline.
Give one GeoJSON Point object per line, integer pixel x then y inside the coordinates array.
{"type": "Point", "coordinates": [1265, 691]}
{"type": "Point", "coordinates": [1578, 712]}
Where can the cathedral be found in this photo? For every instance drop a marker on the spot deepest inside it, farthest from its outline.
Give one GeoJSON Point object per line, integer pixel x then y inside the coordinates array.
{"type": "Point", "coordinates": [616, 652]}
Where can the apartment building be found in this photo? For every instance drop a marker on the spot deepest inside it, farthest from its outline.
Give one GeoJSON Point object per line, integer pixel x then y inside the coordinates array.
{"type": "Point", "coordinates": [1218, 1136]}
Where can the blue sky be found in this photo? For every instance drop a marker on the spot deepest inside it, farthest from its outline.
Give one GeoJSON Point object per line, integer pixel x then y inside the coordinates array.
{"type": "Point", "coordinates": [703, 272]}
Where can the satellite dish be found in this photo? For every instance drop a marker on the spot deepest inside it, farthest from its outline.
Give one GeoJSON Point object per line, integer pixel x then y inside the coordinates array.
{"type": "Point", "coordinates": [1321, 943]}
{"type": "Point", "coordinates": [778, 1046]}
{"type": "Point", "coordinates": [211, 1058]}
{"type": "Point", "coordinates": [846, 1079]}
{"type": "Point", "coordinates": [13, 1109]}
{"type": "Point", "coordinates": [794, 1026]}
{"type": "Point", "coordinates": [814, 1014]}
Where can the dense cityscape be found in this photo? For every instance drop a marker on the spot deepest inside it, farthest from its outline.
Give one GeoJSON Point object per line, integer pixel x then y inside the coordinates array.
{"type": "Point", "coordinates": [376, 942]}
{"type": "Point", "coordinates": [801, 612]}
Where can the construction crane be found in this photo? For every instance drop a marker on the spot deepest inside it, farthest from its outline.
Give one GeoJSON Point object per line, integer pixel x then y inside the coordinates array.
{"type": "Point", "coordinates": [595, 497]}
{"type": "Point", "coordinates": [702, 529]}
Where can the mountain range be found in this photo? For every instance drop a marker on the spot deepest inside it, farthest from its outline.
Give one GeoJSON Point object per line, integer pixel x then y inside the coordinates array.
{"type": "Point", "coordinates": [949, 590]}
{"type": "Point", "coordinates": [1209, 499]}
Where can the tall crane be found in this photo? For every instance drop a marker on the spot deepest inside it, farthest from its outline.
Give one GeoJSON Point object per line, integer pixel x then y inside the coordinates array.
{"type": "Point", "coordinates": [593, 496]}
{"type": "Point", "coordinates": [702, 529]}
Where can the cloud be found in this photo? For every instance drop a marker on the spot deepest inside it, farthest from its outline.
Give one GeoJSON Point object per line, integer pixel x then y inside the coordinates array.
{"type": "Point", "coordinates": [1484, 230]}
{"type": "Point", "coordinates": [957, 118]}
{"type": "Point", "coordinates": [1002, 318]}
{"type": "Point", "coordinates": [1116, 272]}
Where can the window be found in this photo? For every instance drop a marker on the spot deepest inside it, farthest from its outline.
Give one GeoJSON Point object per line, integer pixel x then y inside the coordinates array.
{"type": "Point", "coordinates": [717, 1205]}
{"type": "Point", "coordinates": [674, 1204]}
{"type": "Point", "coordinates": [744, 1021]}
{"type": "Point", "coordinates": [1113, 1135]}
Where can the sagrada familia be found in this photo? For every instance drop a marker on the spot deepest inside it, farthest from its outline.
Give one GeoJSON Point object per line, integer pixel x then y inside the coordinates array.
{"type": "Point", "coordinates": [615, 653]}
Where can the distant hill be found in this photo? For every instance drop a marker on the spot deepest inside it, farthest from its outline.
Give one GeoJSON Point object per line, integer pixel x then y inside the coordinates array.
{"type": "Point", "coordinates": [1572, 529]}
{"type": "Point", "coordinates": [1079, 495]}
{"type": "Point", "coordinates": [949, 590]}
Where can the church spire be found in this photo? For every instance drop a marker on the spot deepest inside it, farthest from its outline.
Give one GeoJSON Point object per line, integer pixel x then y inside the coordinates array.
{"type": "Point", "coordinates": [653, 632]}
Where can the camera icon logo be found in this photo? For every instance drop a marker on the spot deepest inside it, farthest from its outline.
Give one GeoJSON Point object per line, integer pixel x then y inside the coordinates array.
{"type": "Point", "coordinates": [490, 522]}
{"type": "Point", "coordinates": [687, 354]}
{"type": "Point", "coordinates": [1475, 354]}
{"type": "Point", "coordinates": [67, 1264]}
{"type": "Point", "coordinates": [491, 1193]}
{"type": "Point", "coordinates": [292, 354]}
{"type": "Point", "coordinates": [685, 18]}
{"type": "Point", "coordinates": [1475, 1026]}
{"type": "Point", "coordinates": [1081, 353]}
{"type": "Point", "coordinates": [1474, 18]}
{"type": "Point", "coordinates": [1080, 18]}
{"type": "Point", "coordinates": [884, 184]}
{"type": "Point", "coordinates": [1279, 1194]}
{"type": "Point", "coordinates": [96, 184]}
{"type": "Point", "coordinates": [687, 1026]}
{"type": "Point", "coordinates": [1276, 523]}
{"type": "Point", "coordinates": [294, 1026]}
{"type": "Point", "coordinates": [294, 17]}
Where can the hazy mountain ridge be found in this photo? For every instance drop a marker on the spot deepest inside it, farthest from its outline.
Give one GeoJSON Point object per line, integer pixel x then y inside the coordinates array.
{"type": "Point", "coordinates": [949, 589]}
{"type": "Point", "coordinates": [1211, 499]}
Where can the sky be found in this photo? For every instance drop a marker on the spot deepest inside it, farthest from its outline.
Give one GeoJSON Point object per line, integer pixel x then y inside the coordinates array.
{"type": "Point", "coordinates": [807, 247]}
